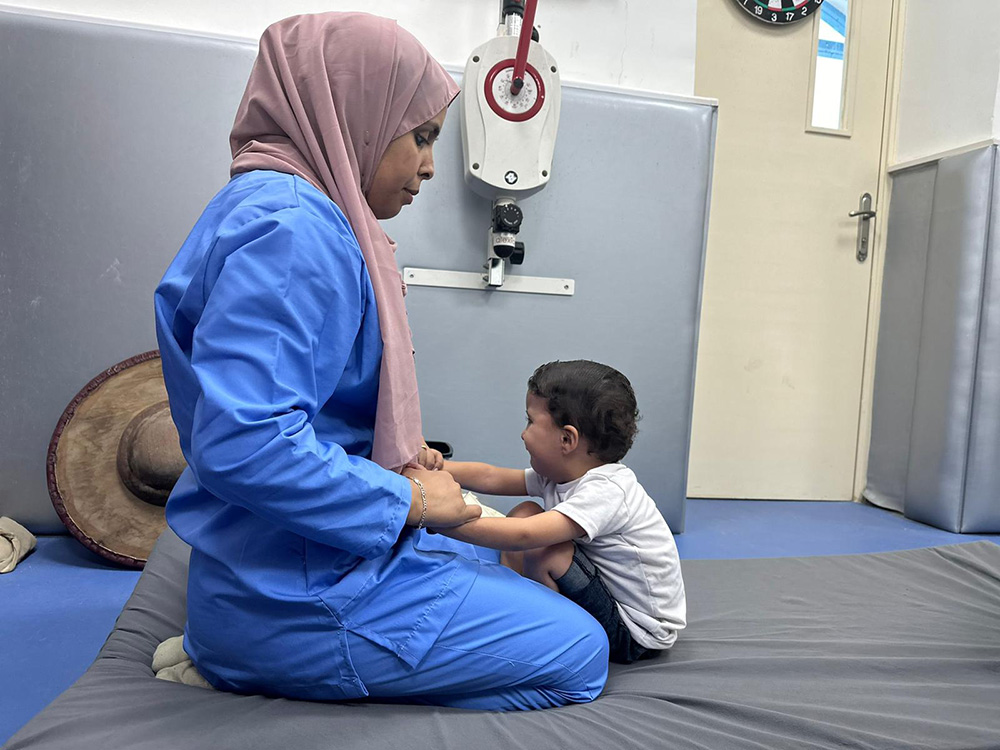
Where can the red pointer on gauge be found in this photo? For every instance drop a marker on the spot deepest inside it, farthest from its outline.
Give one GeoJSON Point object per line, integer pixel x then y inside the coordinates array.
{"type": "Point", "coordinates": [522, 47]}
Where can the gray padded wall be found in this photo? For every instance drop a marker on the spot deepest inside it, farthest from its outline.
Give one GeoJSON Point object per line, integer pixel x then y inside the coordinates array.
{"type": "Point", "coordinates": [981, 510]}
{"type": "Point", "coordinates": [935, 440]}
{"type": "Point", "coordinates": [899, 336]}
{"type": "Point", "coordinates": [112, 141]}
{"type": "Point", "coordinates": [119, 137]}
{"type": "Point", "coordinates": [624, 216]}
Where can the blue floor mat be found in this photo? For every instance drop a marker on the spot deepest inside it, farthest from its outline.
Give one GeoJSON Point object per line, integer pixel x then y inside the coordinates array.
{"type": "Point", "coordinates": [731, 529]}
{"type": "Point", "coordinates": [58, 607]}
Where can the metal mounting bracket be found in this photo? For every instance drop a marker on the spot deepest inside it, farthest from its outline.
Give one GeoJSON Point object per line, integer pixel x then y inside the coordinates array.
{"type": "Point", "coordinates": [471, 280]}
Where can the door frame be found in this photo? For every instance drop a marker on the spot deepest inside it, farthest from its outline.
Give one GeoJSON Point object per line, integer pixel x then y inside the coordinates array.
{"type": "Point", "coordinates": [887, 155]}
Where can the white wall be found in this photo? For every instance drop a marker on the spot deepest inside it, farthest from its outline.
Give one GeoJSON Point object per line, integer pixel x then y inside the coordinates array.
{"type": "Point", "coordinates": [638, 44]}
{"type": "Point", "coordinates": [950, 79]}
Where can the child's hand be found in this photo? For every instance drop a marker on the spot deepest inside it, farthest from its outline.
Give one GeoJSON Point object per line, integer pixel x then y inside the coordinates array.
{"type": "Point", "coordinates": [430, 459]}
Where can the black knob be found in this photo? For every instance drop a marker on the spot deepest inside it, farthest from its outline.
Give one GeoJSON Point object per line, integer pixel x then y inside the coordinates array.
{"type": "Point", "coordinates": [439, 445]}
{"type": "Point", "coordinates": [507, 217]}
{"type": "Point", "coordinates": [517, 257]}
{"type": "Point", "coordinates": [512, 6]}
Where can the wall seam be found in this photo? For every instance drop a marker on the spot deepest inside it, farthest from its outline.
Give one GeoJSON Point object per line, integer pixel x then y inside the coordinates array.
{"type": "Point", "coordinates": [920, 339]}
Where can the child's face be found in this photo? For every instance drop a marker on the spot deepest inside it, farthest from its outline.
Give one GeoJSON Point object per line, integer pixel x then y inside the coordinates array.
{"type": "Point", "coordinates": [543, 439]}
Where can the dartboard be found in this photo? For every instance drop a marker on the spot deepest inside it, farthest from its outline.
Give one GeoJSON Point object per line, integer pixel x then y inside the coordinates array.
{"type": "Point", "coordinates": [780, 11]}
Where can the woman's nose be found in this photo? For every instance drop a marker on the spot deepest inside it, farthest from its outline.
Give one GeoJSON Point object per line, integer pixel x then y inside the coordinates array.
{"type": "Point", "coordinates": [427, 168]}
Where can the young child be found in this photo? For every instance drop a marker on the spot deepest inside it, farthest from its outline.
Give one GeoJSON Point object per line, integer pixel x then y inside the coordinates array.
{"type": "Point", "coordinates": [599, 540]}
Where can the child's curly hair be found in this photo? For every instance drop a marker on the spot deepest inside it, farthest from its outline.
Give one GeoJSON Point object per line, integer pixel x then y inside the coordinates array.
{"type": "Point", "coordinates": [596, 399]}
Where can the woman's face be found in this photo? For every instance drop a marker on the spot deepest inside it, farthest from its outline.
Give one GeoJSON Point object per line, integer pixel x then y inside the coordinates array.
{"type": "Point", "coordinates": [407, 162]}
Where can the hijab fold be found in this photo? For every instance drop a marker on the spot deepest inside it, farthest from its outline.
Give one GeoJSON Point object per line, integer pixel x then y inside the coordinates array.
{"type": "Point", "coordinates": [326, 96]}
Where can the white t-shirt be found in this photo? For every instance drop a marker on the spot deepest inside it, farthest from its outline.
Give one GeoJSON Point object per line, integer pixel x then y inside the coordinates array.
{"type": "Point", "coordinates": [629, 543]}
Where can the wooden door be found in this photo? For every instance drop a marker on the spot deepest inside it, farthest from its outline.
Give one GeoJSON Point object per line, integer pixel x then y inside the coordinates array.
{"type": "Point", "coordinates": [785, 306]}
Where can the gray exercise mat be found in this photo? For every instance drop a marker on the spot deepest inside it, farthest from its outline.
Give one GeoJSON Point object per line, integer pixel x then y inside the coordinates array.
{"type": "Point", "coordinates": [889, 650]}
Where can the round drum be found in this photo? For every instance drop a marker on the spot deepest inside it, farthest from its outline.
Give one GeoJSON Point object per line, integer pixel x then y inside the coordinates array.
{"type": "Point", "coordinates": [113, 459]}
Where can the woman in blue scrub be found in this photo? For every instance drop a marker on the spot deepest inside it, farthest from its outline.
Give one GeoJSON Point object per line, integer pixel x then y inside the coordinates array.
{"type": "Point", "coordinates": [289, 368]}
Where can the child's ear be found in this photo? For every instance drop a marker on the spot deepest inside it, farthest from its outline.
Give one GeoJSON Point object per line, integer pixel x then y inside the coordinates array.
{"type": "Point", "coordinates": [570, 439]}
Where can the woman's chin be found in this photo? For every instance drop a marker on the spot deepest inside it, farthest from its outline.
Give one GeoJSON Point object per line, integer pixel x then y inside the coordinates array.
{"type": "Point", "coordinates": [382, 212]}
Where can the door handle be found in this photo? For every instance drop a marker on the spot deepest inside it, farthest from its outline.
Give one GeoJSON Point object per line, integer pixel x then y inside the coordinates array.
{"type": "Point", "coordinates": [864, 215]}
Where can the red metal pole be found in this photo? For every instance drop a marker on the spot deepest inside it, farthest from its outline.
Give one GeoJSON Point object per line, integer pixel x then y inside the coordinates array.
{"type": "Point", "coordinates": [521, 61]}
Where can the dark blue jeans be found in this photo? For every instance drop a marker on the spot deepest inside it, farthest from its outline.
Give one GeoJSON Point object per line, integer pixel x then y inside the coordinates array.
{"type": "Point", "coordinates": [582, 584]}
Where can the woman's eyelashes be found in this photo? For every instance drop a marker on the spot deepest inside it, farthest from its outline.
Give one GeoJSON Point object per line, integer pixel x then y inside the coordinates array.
{"type": "Point", "coordinates": [425, 139]}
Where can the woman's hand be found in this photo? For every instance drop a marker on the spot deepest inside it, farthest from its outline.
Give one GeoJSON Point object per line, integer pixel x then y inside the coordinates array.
{"type": "Point", "coordinates": [429, 458]}
{"type": "Point", "coordinates": [445, 505]}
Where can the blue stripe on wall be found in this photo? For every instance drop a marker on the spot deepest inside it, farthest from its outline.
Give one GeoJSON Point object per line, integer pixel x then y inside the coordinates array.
{"type": "Point", "coordinates": [833, 50]}
{"type": "Point", "coordinates": [835, 17]}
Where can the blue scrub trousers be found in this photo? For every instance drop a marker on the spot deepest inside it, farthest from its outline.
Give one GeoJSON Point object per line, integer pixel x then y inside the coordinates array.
{"type": "Point", "coordinates": [513, 644]}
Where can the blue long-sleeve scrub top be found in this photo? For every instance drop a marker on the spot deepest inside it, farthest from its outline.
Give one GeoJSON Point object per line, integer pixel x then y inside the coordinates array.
{"type": "Point", "coordinates": [271, 348]}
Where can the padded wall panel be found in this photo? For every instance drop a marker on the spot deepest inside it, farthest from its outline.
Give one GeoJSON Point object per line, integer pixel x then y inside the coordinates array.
{"type": "Point", "coordinates": [899, 336]}
{"type": "Point", "coordinates": [120, 137]}
{"type": "Point", "coordinates": [112, 140]}
{"type": "Point", "coordinates": [624, 217]}
{"type": "Point", "coordinates": [942, 406]}
{"type": "Point", "coordinates": [935, 449]}
{"type": "Point", "coordinates": [981, 510]}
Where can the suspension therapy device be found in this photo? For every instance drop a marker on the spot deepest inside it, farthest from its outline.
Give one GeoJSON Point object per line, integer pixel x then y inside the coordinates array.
{"type": "Point", "coordinates": [510, 114]}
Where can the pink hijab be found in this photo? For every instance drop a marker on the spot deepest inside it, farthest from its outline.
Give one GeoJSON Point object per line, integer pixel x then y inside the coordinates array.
{"type": "Point", "coordinates": [326, 96]}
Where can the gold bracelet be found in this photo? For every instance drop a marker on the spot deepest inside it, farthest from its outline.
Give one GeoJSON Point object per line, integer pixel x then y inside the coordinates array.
{"type": "Point", "coordinates": [423, 500]}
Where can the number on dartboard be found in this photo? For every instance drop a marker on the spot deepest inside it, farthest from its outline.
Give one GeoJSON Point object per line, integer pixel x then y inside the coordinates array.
{"type": "Point", "coordinates": [776, 12]}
